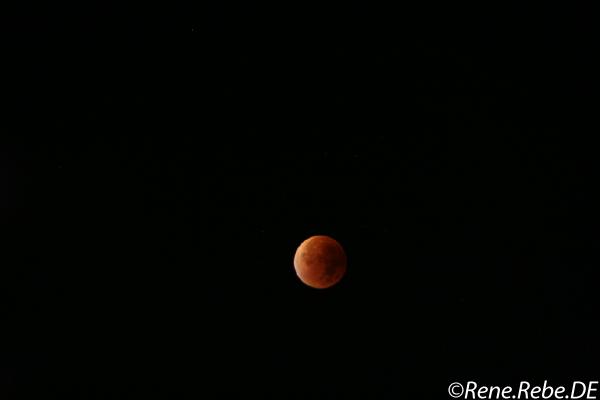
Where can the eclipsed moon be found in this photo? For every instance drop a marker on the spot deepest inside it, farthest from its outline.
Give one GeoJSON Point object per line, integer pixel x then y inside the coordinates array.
{"type": "Point", "coordinates": [320, 262]}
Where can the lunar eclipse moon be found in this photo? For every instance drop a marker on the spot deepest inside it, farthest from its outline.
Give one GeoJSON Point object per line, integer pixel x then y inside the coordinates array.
{"type": "Point", "coordinates": [320, 262]}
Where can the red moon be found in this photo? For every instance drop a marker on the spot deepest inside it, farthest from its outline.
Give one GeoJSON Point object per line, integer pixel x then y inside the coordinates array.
{"type": "Point", "coordinates": [320, 262]}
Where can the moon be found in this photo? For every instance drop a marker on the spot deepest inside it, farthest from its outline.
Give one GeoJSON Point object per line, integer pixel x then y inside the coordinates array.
{"type": "Point", "coordinates": [320, 262]}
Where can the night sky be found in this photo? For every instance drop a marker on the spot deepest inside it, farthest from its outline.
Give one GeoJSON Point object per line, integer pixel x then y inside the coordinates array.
{"type": "Point", "coordinates": [160, 166]}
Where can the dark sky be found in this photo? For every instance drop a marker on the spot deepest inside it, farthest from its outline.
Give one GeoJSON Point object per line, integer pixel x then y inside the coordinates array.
{"type": "Point", "coordinates": [160, 167]}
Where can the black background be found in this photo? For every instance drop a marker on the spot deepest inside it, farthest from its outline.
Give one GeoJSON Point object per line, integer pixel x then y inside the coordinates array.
{"type": "Point", "coordinates": [160, 165]}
